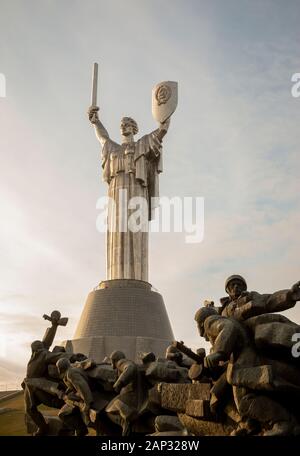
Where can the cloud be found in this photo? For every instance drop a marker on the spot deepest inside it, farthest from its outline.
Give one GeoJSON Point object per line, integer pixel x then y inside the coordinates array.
{"type": "Point", "coordinates": [11, 374]}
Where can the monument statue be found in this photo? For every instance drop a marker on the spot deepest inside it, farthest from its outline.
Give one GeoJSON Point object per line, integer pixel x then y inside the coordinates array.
{"type": "Point", "coordinates": [131, 170]}
{"type": "Point", "coordinates": [124, 310]}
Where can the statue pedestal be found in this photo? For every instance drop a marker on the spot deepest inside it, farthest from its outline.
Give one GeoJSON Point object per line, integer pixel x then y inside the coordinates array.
{"type": "Point", "coordinates": [122, 314]}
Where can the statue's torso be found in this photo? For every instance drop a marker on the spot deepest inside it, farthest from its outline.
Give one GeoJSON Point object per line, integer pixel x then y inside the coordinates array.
{"type": "Point", "coordinates": [122, 159]}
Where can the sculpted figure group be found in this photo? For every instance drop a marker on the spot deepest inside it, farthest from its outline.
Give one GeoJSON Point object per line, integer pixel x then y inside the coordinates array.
{"type": "Point", "coordinates": [247, 384]}
{"type": "Point", "coordinates": [253, 346]}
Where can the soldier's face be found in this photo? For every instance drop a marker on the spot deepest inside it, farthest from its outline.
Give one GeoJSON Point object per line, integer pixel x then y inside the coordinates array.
{"type": "Point", "coordinates": [202, 330]}
{"type": "Point", "coordinates": [235, 288]}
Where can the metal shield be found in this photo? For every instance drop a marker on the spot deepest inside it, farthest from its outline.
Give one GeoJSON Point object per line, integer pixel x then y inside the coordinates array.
{"type": "Point", "coordinates": [164, 100]}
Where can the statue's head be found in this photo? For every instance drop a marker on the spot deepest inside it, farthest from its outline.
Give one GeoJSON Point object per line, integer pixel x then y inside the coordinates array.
{"type": "Point", "coordinates": [37, 346]}
{"type": "Point", "coordinates": [173, 354]}
{"type": "Point", "coordinates": [201, 315]}
{"type": "Point", "coordinates": [235, 285]}
{"type": "Point", "coordinates": [116, 356]}
{"type": "Point", "coordinates": [78, 357]}
{"type": "Point", "coordinates": [147, 357]}
{"type": "Point", "coordinates": [63, 365]}
{"type": "Point", "coordinates": [128, 126]}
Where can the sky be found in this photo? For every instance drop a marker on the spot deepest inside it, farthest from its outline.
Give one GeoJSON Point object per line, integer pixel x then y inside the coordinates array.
{"type": "Point", "coordinates": [233, 140]}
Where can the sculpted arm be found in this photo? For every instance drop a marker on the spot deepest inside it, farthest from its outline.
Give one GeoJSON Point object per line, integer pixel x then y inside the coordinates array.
{"type": "Point", "coordinates": [256, 304]}
{"type": "Point", "coordinates": [81, 386]}
{"type": "Point", "coordinates": [221, 330]}
{"type": "Point", "coordinates": [284, 299]}
{"type": "Point", "coordinates": [225, 334]}
{"type": "Point", "coordinates": [49, 336]}
{"type": "Point", "coordinates": [101, 132]}
{"type": "Point", "coordinates": [52, 358]}
{"type": "Point", "coordinates": [162, 129]}
{"type": "Point", "coordinates": [127, 375]}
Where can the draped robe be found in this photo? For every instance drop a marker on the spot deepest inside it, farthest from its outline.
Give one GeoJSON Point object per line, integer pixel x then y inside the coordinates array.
{"type": "Point", "coordinates": [134, 168]}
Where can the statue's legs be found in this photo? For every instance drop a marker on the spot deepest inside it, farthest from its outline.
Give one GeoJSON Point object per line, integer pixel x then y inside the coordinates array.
{"type": "Point", "coordinates": [123, 413]}
{"type": "Point", "coordinates": [32, 401]}
{"type": "Point", "coordinates": [72, 419]}
{"type": "Point", "coordinates": [33, 398]}
{"type": "Point", "coordinates": [256, 407]}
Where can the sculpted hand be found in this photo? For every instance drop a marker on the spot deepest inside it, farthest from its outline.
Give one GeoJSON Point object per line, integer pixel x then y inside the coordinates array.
{"type": "Point", "coordinates": [55, 317]}
{"type": "Point", "coordinates": [117, 387]}
{"type": "Point", "coordinates": [93, 114]}
{"type": "Point", "coordinates": [86, 414]}
{"type": "Point", "coordinates": [295, 292]}
{"type": "Point", "coordinates": [165, 125]}
{"type": "Point", "coordinates": [213, 360]}
{"type": "Point", "coordinates": [86, 409]}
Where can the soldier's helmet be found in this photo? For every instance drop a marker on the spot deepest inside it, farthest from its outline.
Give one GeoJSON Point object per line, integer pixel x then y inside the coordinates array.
{"type": "Point", "coordinates": [147, 357]}
{"type": "Point", "coordinates": [63, 365]}
{"type": "Point", "coordinates": [116, 356]}
{"type": "Point", "coordinates": [234, 277]}
{"type": "Point", "coordinates": [203, 313]}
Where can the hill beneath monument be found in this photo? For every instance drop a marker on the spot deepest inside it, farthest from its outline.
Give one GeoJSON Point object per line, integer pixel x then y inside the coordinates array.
{"type": "Point", "coordinates": [12, 414]}
{"type": "Point", "coordinates": [12, 420]}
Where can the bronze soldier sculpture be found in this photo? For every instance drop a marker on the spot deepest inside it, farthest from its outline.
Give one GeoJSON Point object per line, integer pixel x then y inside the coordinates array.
{"type": "Point", "coordinates": [78, 397]}
{"type": "Point", "coordinates": [242, 304]}
{"type": "Point", "coordinates": [256, 381]}
{"type": "Point", "coordinates": [37, 368]}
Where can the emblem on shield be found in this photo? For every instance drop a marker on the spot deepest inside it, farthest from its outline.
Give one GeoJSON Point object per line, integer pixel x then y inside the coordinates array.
{"type": "Point", "coordinates": [164, 100]}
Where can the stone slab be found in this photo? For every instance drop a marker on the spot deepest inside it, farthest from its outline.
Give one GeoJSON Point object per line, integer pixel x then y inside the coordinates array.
{"type": "Point", "coordinates": [198, 408]}
{"type": "Point", "coordinates": [196, 426]}
{"type": "Point", "coordinates": [175, 396]}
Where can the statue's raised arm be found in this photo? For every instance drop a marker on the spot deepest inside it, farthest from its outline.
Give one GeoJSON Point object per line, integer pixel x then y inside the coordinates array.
{"type": "Point", "coordinates": [100, 130]}
{"type": "Point", "coordinates": [163, 128]}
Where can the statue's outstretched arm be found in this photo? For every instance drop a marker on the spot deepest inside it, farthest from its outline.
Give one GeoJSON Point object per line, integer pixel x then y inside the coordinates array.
{"type": "Point", "coordinates": [49, 336]}
{"type": "Point", "coordinates": [100, 130]}
{"type": "Point", "coordinates": [81, 386]}
{"type": "Point", "coordinates": [163, 128]}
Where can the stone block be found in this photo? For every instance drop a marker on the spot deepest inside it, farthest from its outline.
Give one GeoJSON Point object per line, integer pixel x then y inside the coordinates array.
{"type": "Point", "coordinates": [164, 423]}
{"type": "Point", "coordinates": [196, 426]}
{"type": "Point", "coordinates": [198, 408]}
{"type": "Point", "coordinates": [122, 315]}
{"type": "Point", "coordinates": [174, 396]}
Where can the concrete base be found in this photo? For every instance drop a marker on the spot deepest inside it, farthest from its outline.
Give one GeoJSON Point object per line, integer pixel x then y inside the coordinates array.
{"type": "Point", "coordinates": [122, 315]}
